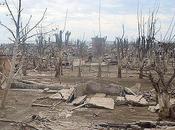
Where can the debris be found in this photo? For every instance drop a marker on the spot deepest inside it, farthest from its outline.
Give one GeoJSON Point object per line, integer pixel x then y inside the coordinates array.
{"type": "Point", "coordinates": [79, 100]}
{"type": "Point", "coordinates": [100, 95]}
{"type": "Point", "coordinates": [120, 100]}
{"type": "Point", "coordinates": [139, 125]}
{"type": "Point", "coordinates": [82, 105]}
{"type": "Point", "coordinates": [54, 115]}
{"type": "Point", "coordinates": [40, 118]}
{"type": "Point", "coordinates": [153, 108]}
{"type": "Point", "coordinates": [102, 102]}
{"type": "Point", "coordinates": [56, 96]}
{"type": "Point", "coordinates": [64, 94]}
{"type": "Point", "coordinates": [22, 125]}
{"type": "Point", "coordinates": [136, 88]}
{"type": "Point", "coordinates": [20, 84]}
{"type": "Point", "coordinates": [128, 91]}
{"type": "Point", "coordinates": [136, 100]}
{"type": "Point", "coordinates": [40, 105]}
{"type": "Point", "coordinates": [46, 89]}
{"type": "Point", "coordinates": [56, 104]}
{"type": "Point", "coordinates": [172, 101]}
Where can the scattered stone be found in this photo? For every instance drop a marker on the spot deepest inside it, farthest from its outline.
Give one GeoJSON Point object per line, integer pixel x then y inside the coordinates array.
{"type": "Point", "coordinates": [172, 101]}
{"type": "Point", "coordinates": [56, 96]}
{"type": "Point", "coordinates": [153, 108]}
{"type": "Point", "coordinates": [79, 100]}
{"type": "Point", "coordinates": [171, 128]}
{"type": "Point", "coordinates": [64, 94]}
{"type": "Point", "coordinates": [100, 95]}
{"type": "Point", "coordinates": [136, 88]}
{"type": "Point", "coordinates": [136, 100]}
{"type": "Point", "coordinates": [46, 89]}
{"type": "Point", "coordinates": [128, 91]}
{"type": "Point", "coordinates": [120, 100]}
{"type": "Point", "coordinates": [51, 91]}
{"type": "Point", "coordinates": [102, 102]}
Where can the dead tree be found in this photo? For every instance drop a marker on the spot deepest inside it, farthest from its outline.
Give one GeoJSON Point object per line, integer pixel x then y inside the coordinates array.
{"type": "Point", "coordinates": [17, 37]}
{"type": "Point", "coordinates": [81, 47]}
{"type": "Point", "coordinates": [67, 36]}
{"type": "Point", "coordinates": [119, 45]}
{"type": "Point", "coordinates": [61, 46]}
{"type": "Point", "coordinates": [58, 62]}
{"type": "Point", "coordinates": [42, 46]}
{"type": "Point", "coordinates": [158, 53]}
{"type": "Point", "coordinates": [146, 37]}
{"type": "Point", "coordinates": [99, 46]}
{"type": "Point", "coordinates": [161, 82]}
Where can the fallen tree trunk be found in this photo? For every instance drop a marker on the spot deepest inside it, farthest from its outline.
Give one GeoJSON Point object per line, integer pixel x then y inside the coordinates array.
{"type": "Point", "coordinates": [139, 125]}
{"type": "Point", "coordinates": [32, 85]}
{"type": "Point", "coordinates": [40, 105]}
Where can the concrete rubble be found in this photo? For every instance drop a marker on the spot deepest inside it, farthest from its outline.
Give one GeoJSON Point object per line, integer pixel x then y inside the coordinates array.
{"type": "Point", "coordinates": [120, 101]}
{"type": "Point", "coordinates": [64, 94]}
{"type": "Point", "coordinates": [47, 90]}
{"type": "Point", "coordinates": [136, 100]}
{"type": "Point", "coordinates": [101, 102]}
{"type": "Point", "coordinates": [132, 100]}
{"type": "Point", "coordinates": [100, 95]}
{"type": "Point", "coordinates": [79, 100]}
{"type": "Point", "coordinates": [153, 108]}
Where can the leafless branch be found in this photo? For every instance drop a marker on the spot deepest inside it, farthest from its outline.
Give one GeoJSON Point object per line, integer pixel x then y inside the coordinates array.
{"type": "Point", "coordinates": [6, 3]}
{"type": "Point", "coordinates": [27, 24]}
{"type": "Point", "coordinates": [35, 24]}
{"type": "Point", "coordinates": [8, 30]}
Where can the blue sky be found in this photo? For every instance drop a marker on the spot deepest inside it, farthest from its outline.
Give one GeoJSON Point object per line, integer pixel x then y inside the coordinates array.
{"type": "Point", "coordinates": [83, 16]}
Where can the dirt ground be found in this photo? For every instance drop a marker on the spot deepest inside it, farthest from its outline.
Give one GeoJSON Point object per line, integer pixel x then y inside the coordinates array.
{"type": "Point", "coordinates": [19, 102]}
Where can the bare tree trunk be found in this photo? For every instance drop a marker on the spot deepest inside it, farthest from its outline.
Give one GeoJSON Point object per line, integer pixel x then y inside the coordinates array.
{"type": "Point", "coordinates": [11, 74]}
{"type": "Point", "coordinates": [126, 71]}
{"type": "Point", "coordinates": [72, 65]}
{"type": "Point", "coordinates": [34, 62]}
{"type": "Point", "coordinates": [119, 71]}
{"type": "Point", "coordinates": [90, 67]}
{"type": "Point", "coordinates": [108, 73]}
{"type": "Point", "coordinates": [164, 104]}
{"type": "Point", "coordinates": [58, 68]}
{"type": "Point", "coordinates": [79, 68]}
{"type": "Point", "coordinates": [61, 65]}
{"type": "Point", "coordinates": [141, 73]}
{"type": "Point", "coordinates": [24, 66]}
{"type": "Point", "coordinates": [99, 68]}
{"type": "Point", "coordinates": [141, 64]}
{"type": "Point", "coordinates": [57, 71]}
{"type": "Point", "coordinates": [119, 60]}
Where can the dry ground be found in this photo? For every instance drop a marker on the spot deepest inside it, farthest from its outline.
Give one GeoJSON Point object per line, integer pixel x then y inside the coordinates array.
{"type": "Point", "coordinates": [19, 102]}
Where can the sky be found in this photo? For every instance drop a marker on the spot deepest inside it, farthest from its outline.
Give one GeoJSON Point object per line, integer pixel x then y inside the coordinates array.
{"type": "Point", "coordinates": [82, 18]}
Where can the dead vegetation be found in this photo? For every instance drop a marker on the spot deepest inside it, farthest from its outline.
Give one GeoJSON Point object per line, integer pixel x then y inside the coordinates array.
{"type": "Point", "coordinates": [62, 84]}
